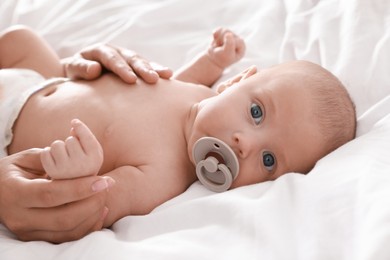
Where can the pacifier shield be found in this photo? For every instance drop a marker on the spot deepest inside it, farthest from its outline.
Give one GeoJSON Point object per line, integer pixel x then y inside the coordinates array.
{"type": "Point", "coordinates": [216, 163]}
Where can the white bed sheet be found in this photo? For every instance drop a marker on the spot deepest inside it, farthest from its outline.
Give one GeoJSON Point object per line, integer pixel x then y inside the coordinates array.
{"type": "Point", "coordinates": [340, 210]}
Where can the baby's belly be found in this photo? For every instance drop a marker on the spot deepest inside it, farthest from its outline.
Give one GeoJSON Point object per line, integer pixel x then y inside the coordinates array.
{"type": "Point", "coordinates": [47, 114]}
{"type": "Point", "coordinates": [109, 107]}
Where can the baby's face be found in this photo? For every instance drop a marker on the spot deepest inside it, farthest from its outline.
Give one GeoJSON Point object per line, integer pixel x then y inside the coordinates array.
{"type": "Point", "coordinates": [266, 119]}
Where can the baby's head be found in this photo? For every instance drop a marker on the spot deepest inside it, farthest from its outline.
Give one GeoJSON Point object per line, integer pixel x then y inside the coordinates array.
{"type": "Point", "coordinates": [278, 120]}
{"type": "Point", "coordinates": [333, 108]}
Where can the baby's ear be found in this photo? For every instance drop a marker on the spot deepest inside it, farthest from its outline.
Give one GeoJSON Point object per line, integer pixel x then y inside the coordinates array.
{"type": "Point", "coordinates": [241, 76]}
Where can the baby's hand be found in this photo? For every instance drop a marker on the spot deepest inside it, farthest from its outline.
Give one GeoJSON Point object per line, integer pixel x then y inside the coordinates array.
{"type": "Point", "coordinates": [226, 48]}
{"type": "Point", "coordinates": [79, 155]}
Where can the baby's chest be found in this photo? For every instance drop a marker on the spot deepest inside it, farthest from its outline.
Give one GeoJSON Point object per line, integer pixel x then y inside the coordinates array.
{"type": "Point", "coordinates": [157, 146]}
{"type": "Point", "coordinates": [164, 161]}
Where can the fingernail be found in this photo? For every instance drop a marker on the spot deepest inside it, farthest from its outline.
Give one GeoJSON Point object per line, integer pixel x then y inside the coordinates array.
{"type": "Point", "coordinates": [100, 185]}
{"type": "Point", "coordinates": [75, 121]}
{"type": "Point", "coordinates": [132, 75]}
{"type": "Point", "coordinates": [152, 72]}
{"type": "Point", "coordinates": [103, 184]}
{"type": "Point", "coordinates": [88, 70]}
{"type": "Point", "coordinates": [110, 181]}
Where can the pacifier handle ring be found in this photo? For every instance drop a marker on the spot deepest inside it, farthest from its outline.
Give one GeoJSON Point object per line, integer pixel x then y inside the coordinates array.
{"type": "Point", "coordinates": [201, 173]}
{"type": "Point", "coordinates": [208, 166]}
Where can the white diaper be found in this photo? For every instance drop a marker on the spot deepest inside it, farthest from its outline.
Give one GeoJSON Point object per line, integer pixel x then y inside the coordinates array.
{"type": "Point", "coordinates": [16, 86]}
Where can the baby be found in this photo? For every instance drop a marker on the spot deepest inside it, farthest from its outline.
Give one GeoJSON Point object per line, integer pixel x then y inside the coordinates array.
{"type": "Point", "coordinates": [278, 120]}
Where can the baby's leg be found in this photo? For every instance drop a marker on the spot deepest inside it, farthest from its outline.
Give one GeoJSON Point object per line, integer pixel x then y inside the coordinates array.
{"type": "Point", "coordinates": [79, 155]}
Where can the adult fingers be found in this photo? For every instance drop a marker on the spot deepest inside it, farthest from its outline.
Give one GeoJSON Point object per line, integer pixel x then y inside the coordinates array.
{"type": "Point", "coordinates": [88, 64]}
{"type": "Point", "coordinates": [140, 66]}
{"type": "Point", "coordinates": [112, 60]}
{"type": "Point", "coordinates": [48, 161]}
{"type": "Point", "coordinates": [77, 67]}
{"type": "Point", "coordinates": [29, 160]}
{"type": "Point", "coordinates": [68, 216]}
{"type": "Point", "coordinates": [150, 72]}
{"type": "Point", "coordinates": [42, 193]}
{"type": "Point", "coordinates": [62, 226]}
{"type": "Point", "coordinates": [162, 71]}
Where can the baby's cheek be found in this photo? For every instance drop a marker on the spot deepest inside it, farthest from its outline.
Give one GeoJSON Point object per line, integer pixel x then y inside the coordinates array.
{"type": "Point", "coordinates": [248, 177]}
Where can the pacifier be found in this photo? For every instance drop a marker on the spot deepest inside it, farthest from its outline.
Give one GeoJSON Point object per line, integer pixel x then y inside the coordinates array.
{"type": "Point", "coordinates": [216, 163]}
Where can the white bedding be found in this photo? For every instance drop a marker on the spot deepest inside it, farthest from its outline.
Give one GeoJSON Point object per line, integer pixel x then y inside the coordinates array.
{"type": "Point", "coordinates": [340, 210]}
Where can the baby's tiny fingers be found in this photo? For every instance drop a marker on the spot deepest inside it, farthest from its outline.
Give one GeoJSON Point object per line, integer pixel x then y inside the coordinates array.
{"type": "Point", "coordinates": [229, 43]}
{"type": "Point", "coordinates": [74, 148]}
{"type": "Point", "coordinates": [59, 153]}
{"type": "Point", "coordinates": [87, 139]}
{"type": "Point", "coordinates": [240, 47]}
{"type": "Point", "coordinates": [48, 163]}
{"type": "Point", "coordinates": [218, 37]}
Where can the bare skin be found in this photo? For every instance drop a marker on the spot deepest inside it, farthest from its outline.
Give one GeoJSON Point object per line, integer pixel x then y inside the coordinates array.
{"type": "Point", "coordinates": [139, 111]}
{"type": "Point", "coordinates": [124, 115]}
{"type": "Point", "coordinates": [147, 134]}
{"type": "Point", "coordinates": [35, 208]}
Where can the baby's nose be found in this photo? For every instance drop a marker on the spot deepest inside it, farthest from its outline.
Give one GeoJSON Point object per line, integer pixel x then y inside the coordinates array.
{"type": "Point", "coordinates": [242, 145]}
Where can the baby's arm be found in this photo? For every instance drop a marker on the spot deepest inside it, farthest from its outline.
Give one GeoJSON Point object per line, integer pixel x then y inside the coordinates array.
{"type": "Point", "coordinates": [138, 190]}
{"type": "Point", "coordinates": [225, 49]}
{"type": "Point", "coordinates": [20, 47]}
{"type": "Point", "coordinates": [79, 155]}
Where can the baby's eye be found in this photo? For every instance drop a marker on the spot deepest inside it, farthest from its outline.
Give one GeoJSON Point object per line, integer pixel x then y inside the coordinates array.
{"type": "Point", "coordinates": [256, 113]}
{"type": "Point", "coordinates": [269, 161]}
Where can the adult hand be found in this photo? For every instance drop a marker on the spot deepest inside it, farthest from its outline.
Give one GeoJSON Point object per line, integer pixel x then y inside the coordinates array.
{"type": "Point", "coordinates": [128, 65]}
{"type": "Point", "coordinates": [35, 208]}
